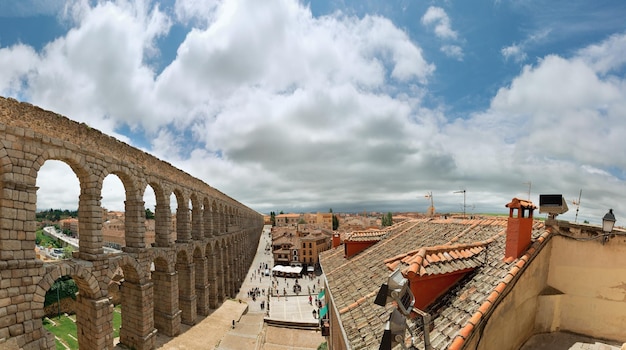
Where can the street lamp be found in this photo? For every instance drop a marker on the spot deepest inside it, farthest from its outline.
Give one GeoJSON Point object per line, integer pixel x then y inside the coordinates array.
{"type": "Point", "coordinates": [608, 221]}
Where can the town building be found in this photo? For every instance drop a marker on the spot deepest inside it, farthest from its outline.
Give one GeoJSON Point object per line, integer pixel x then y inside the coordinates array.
{"type": "Point", "coordinates": [300, 245]}
{"type": "Point", "coordinates": [292, 219]}
{"type": "Point", "coordinates": [484, 283]}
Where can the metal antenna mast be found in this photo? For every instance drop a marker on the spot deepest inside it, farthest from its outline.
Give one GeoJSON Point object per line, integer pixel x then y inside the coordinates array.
{"type": "Point", "coordinates": [462, 191]}
{"type": "Point", "coordinates": [530, 184]}
{"type": "Point", "coordinates": [577, 204]}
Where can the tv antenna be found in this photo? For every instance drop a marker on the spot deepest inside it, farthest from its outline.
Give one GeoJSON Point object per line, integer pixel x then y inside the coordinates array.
{"type": "Point", "coordinates": [462, 191]}
{"type": "Point", "coordinates": [577, 204]}
{"type": "Point", "coordinates": [431, 209]}
{"type": "Point", "coordinates": [530, 184]}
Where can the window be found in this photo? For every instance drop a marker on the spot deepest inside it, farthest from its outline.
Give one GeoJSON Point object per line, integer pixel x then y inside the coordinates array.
{"type": "Point", "coordinates": [310, 245]}
{"type": "Point", "coordinates": [303, 245]}
{"type": "Point", "coordinates": [310, 252]}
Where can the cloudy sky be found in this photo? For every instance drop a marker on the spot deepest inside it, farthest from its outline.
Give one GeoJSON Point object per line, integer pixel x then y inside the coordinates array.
{"type": "Point", "coordinates": [351, 105]}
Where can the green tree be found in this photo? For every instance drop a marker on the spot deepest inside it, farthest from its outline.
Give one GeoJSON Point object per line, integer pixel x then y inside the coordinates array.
{"type": "Point", "coordinates": [387, 220]}
{"type": "Point", "coordinates": [335, 220]}
{"type": "Point", "coordinates": [273, 218]}
{"type": "Point", "coordinates": [149, 214]}
{"type": "Point", "coordinates": [64, 287]}
{"type": "Point", "coordinates": [67, 252]}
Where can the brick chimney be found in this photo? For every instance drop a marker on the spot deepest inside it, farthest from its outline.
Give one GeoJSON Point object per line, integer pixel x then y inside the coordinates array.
{"type": "Point", "coordinates": [336, 240]}
{"type": "Point", "coordinates": [519, 227]}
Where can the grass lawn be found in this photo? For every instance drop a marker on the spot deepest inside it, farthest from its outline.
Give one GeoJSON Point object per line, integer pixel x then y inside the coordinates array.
{"type": "Point", "coordinates": [64, 329]}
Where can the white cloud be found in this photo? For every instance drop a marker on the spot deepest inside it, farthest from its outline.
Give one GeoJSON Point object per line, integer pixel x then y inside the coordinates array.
{"type": "Point", "coordinates": [453, 51]}
{"type": "Point", "coordinates": [517, 51]}
{"type": "Point", "coordinates": [280, 109]}
{"type": "Point", "coordinates": [514, 52]}
{"type": "Point", "coordinates": [607, 55]}
{"type": "Point", "coordinates": [438, 17]}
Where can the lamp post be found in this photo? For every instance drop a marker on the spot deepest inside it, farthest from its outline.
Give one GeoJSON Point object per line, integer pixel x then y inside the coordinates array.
{"type": "Point", "coordinates": [608, 221]}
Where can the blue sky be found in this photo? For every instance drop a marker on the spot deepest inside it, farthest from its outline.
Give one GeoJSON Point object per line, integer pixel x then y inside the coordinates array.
{"type": "Point", "coordinates": [354, 105]}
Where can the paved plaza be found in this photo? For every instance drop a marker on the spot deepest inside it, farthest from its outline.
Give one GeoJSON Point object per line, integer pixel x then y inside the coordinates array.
{"type": "Point", "coordinates": [215, 331]}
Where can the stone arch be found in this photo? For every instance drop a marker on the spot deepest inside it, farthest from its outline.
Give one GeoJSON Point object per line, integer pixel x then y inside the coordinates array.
{"type": "Point", "coordinates": [86, 282]}
{"type": "Point", "coordinates": [92, 305]}
{"type": "Point", "coordinates": [92, 156]}
{"type": "Point", "coordinates": [133, 271]}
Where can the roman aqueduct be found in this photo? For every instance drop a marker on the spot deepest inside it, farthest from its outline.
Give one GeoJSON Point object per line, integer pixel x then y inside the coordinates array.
{"type": "Point", "coordinates": [187, 272]}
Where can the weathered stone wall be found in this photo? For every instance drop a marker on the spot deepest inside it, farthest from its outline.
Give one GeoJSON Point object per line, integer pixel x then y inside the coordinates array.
{"type": "Point", "coordinates": [193, 265]}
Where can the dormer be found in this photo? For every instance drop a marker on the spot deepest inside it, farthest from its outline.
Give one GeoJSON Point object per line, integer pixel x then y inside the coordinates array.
{"type": "Point", "coordinates": [433, 271]}
{"type": "Point", "coordinates": [358, 241]}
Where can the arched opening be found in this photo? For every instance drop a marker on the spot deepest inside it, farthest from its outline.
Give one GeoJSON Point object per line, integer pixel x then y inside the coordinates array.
{"type": "Point", "coordinates": [149, 199]}
{"type": "Point", "coordinates": [196, 218]}
{"type": "Point", "coordinates": [73, 314]}
{"type": "Point", "coordinates": [60, 312]}
{"type": "Point", "coordinates": [57, 232]}
{"type": "Point", "coordinates": [174, 200]}
{"type": "Point", "coordinates": [113, 212]}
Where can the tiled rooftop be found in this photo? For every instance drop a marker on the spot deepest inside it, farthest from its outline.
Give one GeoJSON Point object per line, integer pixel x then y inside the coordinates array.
{"type": "Point", "coordinates": [424, 247]}
{"type": "Point", "coordinates": [366, 236]}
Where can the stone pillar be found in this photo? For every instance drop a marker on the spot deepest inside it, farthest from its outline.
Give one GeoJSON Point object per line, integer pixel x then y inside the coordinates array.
{"type": "Point", "coordinates": [94, 323]}
{"type": "Point", "coordinates": [167, 315]}
{"type": "Point", "coordinates": [197, 224]}
{"type": "Point", "coordinates": [207, 215]}
{"type": "Point", "coordinates": [183, 231]}
{"type": "Point", "coordinates": [138, 330]}
{"type": "Point", "coordinates": [212, 278]}
{"type": "Point", "coordinates": [217, 222]}
{"type": "Point", "coordinates": [202, 286]}
{"type": "Point", "coordinates": [186, 293]}
{"type": "Point", "coordinates": [228, 270]}
{"type": "Point", "coordinates": [135, 228]}
{"type": "Point", "coordinates": [90, 243]}
{"type": "Point", "coordinates": [17, 227]}
{"type": "Point", "coordinates": [163, 225]}
{"type": "Point", "coordinates": [221, 278]}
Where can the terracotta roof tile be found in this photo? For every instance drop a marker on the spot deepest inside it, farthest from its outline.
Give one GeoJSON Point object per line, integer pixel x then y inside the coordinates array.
{"type": "Point", "coordinates": [458, 244]}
